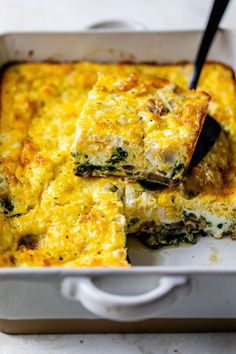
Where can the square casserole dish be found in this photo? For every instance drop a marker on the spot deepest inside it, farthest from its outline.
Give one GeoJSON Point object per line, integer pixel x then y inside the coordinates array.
{"type": "Point", "coordinates": [175, 289]}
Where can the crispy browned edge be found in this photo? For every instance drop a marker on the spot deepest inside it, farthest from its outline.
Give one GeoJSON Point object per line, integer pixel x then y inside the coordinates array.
{"type": "Point", "coordinates": [6, 65]}
{"type": "Point", "coordinates": [197, 135]}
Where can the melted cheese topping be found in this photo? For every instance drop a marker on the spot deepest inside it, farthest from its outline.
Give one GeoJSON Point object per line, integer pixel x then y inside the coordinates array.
{"type": "Point", "coordinates": [51, 217]}
{"type": "Point", "coordinates": [139, 126]}
{"type": "Point", "coordinates": [57, 218]}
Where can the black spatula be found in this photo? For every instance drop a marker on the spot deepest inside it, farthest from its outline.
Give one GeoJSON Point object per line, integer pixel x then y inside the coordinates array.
{"type": "Point", "coordinates": [211, 128]}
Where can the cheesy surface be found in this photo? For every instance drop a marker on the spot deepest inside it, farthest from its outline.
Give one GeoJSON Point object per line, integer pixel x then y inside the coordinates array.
{"type": "Point", "coordinates": [51, 217]}
{"type": "Point", "coordinates": [138, 126]}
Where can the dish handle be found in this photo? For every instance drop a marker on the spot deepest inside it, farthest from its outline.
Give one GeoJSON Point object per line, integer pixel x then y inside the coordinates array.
{"type": "Point", "coordinates": [123, 307]}
{"type": "Point", "coordinates": [117, 25]}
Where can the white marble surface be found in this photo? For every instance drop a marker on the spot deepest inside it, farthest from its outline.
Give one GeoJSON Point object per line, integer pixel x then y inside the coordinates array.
{"type": "Point", "coordinates": [120, 344]}
{"type": "Point", "coordinates": [71, 15]}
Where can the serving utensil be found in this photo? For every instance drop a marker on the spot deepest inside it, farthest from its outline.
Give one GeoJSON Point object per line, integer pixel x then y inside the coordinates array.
{"type": "Point", "coordinates": [211, 128]}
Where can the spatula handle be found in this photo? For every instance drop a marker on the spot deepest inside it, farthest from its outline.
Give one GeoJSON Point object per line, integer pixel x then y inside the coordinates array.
{"type": "Point", "coordinates": [216, 14]}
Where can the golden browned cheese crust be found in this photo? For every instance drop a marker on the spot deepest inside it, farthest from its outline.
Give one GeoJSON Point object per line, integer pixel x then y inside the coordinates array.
{"type": "Point", "coordinates": [138, 126]}
{"type": "Point", "coordinates": [51, 217]}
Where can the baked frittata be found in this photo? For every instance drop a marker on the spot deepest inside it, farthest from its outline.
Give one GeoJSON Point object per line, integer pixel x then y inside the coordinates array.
{"type": "Point", "coordinates": [138, 126]}
{"type": "Point", "coordinates": [51, 217]}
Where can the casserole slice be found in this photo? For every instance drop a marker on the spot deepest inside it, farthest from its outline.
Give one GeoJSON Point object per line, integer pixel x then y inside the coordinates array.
{"type": "Point", "coordinates": [138, 126]}
{"type": "Point", "coordinates": [79, 223]}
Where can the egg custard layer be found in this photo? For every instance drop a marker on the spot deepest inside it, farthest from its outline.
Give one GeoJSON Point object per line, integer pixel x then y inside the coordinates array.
{"type": "Point", "coordinates": [138, 126]}
{"type": "Point", "coordinates": [50, 217]}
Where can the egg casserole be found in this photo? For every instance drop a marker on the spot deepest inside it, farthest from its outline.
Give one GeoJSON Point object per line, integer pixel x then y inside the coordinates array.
{"type": "Point", "coordinates": [50, 217]}
{"type": "Point", "coordinates": [138, 126]}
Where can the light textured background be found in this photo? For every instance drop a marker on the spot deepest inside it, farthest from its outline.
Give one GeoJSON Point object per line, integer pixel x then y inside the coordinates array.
{"type": "Point", "coordinates": [72, 15]}
{"type": "Point", "coordinates": [120, 344]}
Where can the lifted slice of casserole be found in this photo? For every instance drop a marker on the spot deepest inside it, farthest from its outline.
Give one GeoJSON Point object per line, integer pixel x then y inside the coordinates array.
{"type": "Point", "coordinates": [138, 126]}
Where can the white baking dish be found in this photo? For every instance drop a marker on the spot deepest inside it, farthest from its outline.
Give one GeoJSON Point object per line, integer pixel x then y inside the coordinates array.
{"type": "Point", "coordinates": [183, 288]}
